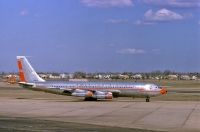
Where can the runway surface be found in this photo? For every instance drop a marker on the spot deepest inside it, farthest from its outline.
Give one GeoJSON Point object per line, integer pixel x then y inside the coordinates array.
{"type": "Point", "coordinates": [123, 112]}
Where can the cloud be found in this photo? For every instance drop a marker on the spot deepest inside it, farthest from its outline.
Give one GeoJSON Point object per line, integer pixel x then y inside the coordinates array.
{"type": "Point", "coordinates": [142, 22]}
{"type": "Point", "coordinates": [174, 3]}
{"type": "Point", "coordinates": [162, 15]}
{"type": "Point", "coordinates": [131, 51]}
{"type": "Point", "coordinates": [107, 3]}
{"type": "Point", "coordinates": [24, 12]}
{"type": "Point", "coordinates": [117, 21]}
{"type": "Point", "coordinates": [155, 51]}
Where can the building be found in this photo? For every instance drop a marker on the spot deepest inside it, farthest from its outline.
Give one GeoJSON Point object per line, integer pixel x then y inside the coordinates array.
{"type": "Point", "coordinates": [185, 77]}
{"type": "Point", "coordinates": [137, 76]}
{"type": "Point", "coordinates": [12, 79]}
{"type": "Point", "coordinates": [124, 77]}
{"type": "Point", "coordinates": [172, 77]}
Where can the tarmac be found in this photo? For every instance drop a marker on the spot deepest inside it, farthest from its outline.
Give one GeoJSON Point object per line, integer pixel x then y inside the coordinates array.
{"type": "Point", "coordinates": [121, 112]}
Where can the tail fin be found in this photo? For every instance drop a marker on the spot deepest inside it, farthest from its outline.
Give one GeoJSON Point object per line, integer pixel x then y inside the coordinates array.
{"type": "Point", "coordinates": [26, 72]}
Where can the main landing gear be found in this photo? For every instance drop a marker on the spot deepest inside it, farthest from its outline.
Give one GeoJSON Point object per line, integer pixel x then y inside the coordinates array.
{"type": "Point", "coordinates": [147, 99]}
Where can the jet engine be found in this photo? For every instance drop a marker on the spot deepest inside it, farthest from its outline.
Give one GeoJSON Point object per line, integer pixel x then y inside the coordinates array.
{"type": "Point", "coordinates": [92, 95]}
{"type": "Point", "coordinates": [103, 95]}
{"type": "Point", "coordinates": [82, 93]}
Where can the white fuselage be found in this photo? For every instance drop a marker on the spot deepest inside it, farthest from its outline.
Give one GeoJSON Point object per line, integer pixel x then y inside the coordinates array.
{"type": "Point", "coordinates": [121, 88]}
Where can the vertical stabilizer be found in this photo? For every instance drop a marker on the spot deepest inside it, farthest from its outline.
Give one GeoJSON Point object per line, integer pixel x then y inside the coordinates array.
{"type": "Point", "coordinates": [26, 71]}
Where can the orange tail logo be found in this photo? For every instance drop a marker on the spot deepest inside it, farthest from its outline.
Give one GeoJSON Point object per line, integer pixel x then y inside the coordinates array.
{"type": "Point", "coordinates": [21, 72]}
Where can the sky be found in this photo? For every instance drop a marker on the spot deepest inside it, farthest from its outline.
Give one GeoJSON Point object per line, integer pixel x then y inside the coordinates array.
{"type": "Point", "coordinates": [101, 35]}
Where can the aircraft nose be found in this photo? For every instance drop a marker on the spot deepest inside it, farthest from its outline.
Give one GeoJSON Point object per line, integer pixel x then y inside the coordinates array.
{"type": "Point", "coordinates": [163, 91]}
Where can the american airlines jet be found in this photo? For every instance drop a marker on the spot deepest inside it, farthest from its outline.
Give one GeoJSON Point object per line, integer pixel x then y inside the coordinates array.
{"type": "Point", "coordinates": [88, 90]}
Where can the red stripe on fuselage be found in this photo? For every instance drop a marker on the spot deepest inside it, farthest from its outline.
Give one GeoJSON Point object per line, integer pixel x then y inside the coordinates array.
{"type": "Point", "coordinates": [108, 88]}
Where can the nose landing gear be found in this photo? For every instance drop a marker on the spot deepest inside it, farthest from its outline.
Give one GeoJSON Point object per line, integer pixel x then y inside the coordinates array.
{"type": "Point", "coordinates": [148, 99]}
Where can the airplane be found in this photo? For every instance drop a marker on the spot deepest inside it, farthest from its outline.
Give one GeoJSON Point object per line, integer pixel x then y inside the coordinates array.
{"type": "Point", "coordinates": [89, 90]}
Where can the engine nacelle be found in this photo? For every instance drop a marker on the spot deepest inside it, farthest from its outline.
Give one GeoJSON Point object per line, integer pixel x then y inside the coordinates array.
{"type": "Point", "coordinates": [96, 94]}
{"type": "Point", "coordinates": [103, 95]}
{"type": "Point", "coordinates": [82, 93]}
{"type": "Point", "coordinates": [115, 93]}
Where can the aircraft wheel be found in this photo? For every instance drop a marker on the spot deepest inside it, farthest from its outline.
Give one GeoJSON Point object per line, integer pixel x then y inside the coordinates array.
{"type": "Point", "coordinates": [147, 99]}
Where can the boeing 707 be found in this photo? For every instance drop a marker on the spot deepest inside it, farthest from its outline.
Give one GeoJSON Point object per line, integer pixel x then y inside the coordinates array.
{"type": "Point", "coordinates": [88, 90]}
